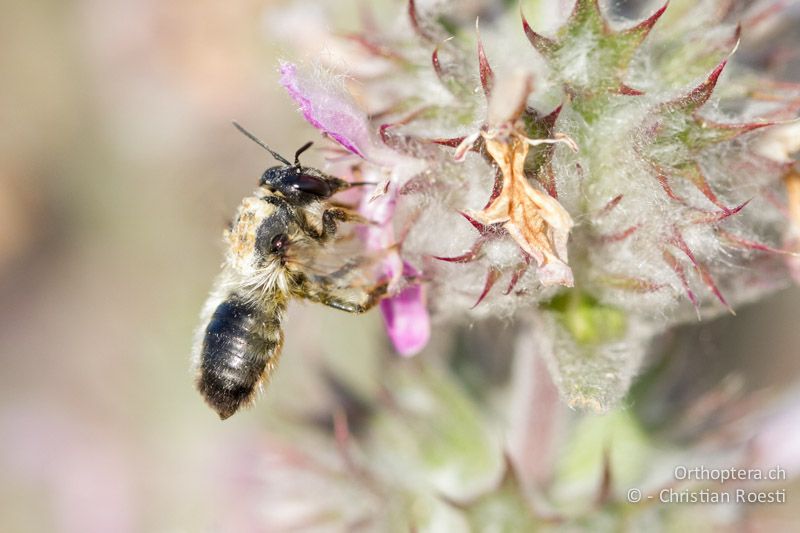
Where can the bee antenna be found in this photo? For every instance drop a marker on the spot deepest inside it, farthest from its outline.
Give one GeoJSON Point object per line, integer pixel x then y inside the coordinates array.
{"type": "Point", "coordinates": [256, 140]}
{"type": "Point", "coordinates": [299, 151]}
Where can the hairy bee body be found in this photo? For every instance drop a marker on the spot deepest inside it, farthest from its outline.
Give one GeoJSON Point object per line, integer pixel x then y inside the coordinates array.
{"type": "Point", "coordinates": [271, 249]}
{"type": "Point", "coordinates": [240, 342]}
{"type": "Point", "coordinates": [241, 336]}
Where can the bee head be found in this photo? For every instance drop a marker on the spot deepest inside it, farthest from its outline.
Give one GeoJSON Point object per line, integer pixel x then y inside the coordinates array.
{"type": "Point", "coordinates": [300, 185]}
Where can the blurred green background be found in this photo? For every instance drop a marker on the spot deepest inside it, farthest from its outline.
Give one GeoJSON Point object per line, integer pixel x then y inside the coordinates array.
{"type": "Point", "coordinates": [118, 170]}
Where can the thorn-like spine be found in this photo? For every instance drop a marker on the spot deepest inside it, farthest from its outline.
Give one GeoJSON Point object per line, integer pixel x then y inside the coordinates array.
{"type": "Point", "coordinates": [483, 229]}
{"type": "Point", "coordinates": [629, 91]}
{"type": "Point", "coordinates": [486, 72]}
{"type": "Point", "coordinates": [539, 42]}
{"type": "Point", "coordinates": [646, 26]}
{"type": "Point", "coordinates": [676, 267]}
{"type": "Point", "coordinates": [437, 66]}
{"type": "Point", "coordinates": [518, 273]}
{"type": "Point", "coordinates": [679, 242]}
{"type": "Point", "coordinates": [491, 278]}
{"type": "Point", "coordinates": [701, 94]}
{"type": "Point", "coordinates": [413, 16]}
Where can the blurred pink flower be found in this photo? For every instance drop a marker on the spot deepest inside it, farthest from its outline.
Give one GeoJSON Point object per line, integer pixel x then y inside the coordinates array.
{"type": "Point", "coordinates": [85, 472]}
{"type": "Point", "coordinates": [778, 440]}
{"type": "Point", "coordinates": [328, 108]}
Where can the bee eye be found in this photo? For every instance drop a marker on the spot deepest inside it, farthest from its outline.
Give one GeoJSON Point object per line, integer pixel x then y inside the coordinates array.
{"type": "Point", "coordinates": [279, 243]}
{"type": "Point", "coordinates": [272, 237]}
{"type": "Point", "coordinates": [312, 185]}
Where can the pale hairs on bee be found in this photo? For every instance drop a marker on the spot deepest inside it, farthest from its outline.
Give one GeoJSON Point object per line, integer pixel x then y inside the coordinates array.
{"type": "Point", "coordinates": [271, 248]}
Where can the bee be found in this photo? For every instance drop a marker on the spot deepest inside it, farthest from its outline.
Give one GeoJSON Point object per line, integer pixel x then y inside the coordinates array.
{"type": "Point", "coordinates": [272, 244]}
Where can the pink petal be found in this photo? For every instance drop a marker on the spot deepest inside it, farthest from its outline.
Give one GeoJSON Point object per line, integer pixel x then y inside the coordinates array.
{"type": "Point", "coordinates": [380, 235]}
{"type": "Point", "coordinates": [405, 314]}
{"type": "Point", "coordinates": [329, 108]}
{"type": "Point", "coordinates": [406, 317]}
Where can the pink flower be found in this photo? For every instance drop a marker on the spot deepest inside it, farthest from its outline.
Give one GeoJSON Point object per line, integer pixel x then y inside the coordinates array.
{"type": "Point", "coordinates": [330, 109]}
{"type": "Point", "coordinates": [406, 317]}
{"type": "Point", "coordinates": [405, 314]}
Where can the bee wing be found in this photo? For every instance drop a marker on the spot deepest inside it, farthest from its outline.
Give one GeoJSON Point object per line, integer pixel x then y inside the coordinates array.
{"type": "Point", "coordinates": [344, 260]}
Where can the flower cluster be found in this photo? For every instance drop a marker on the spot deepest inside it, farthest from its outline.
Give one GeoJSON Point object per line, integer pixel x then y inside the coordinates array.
{"type": "Point", "coordinates": [608, 176]}
{"type": "Point", "coordinates": [571, 184]}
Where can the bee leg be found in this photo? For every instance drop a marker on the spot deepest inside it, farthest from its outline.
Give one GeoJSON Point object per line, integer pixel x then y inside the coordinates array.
{"type": "Point", "coordinates": [353, 300]}
{"type": "Point", "coordinates": [338, 214]}
{"type": "Point", "coordinates": [330, 219]}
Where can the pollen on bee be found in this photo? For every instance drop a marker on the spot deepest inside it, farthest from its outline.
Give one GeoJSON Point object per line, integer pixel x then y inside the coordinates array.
{"type": "Point", "coordinates": [273, 244]}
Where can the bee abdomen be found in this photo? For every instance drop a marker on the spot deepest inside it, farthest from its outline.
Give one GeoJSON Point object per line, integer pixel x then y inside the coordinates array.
{"type": "Point", "coordinates": [239, 342]}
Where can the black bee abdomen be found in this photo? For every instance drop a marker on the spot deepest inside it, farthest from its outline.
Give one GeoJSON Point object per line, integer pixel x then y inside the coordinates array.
{"type": "Point", "coordinates": [233, 357]}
